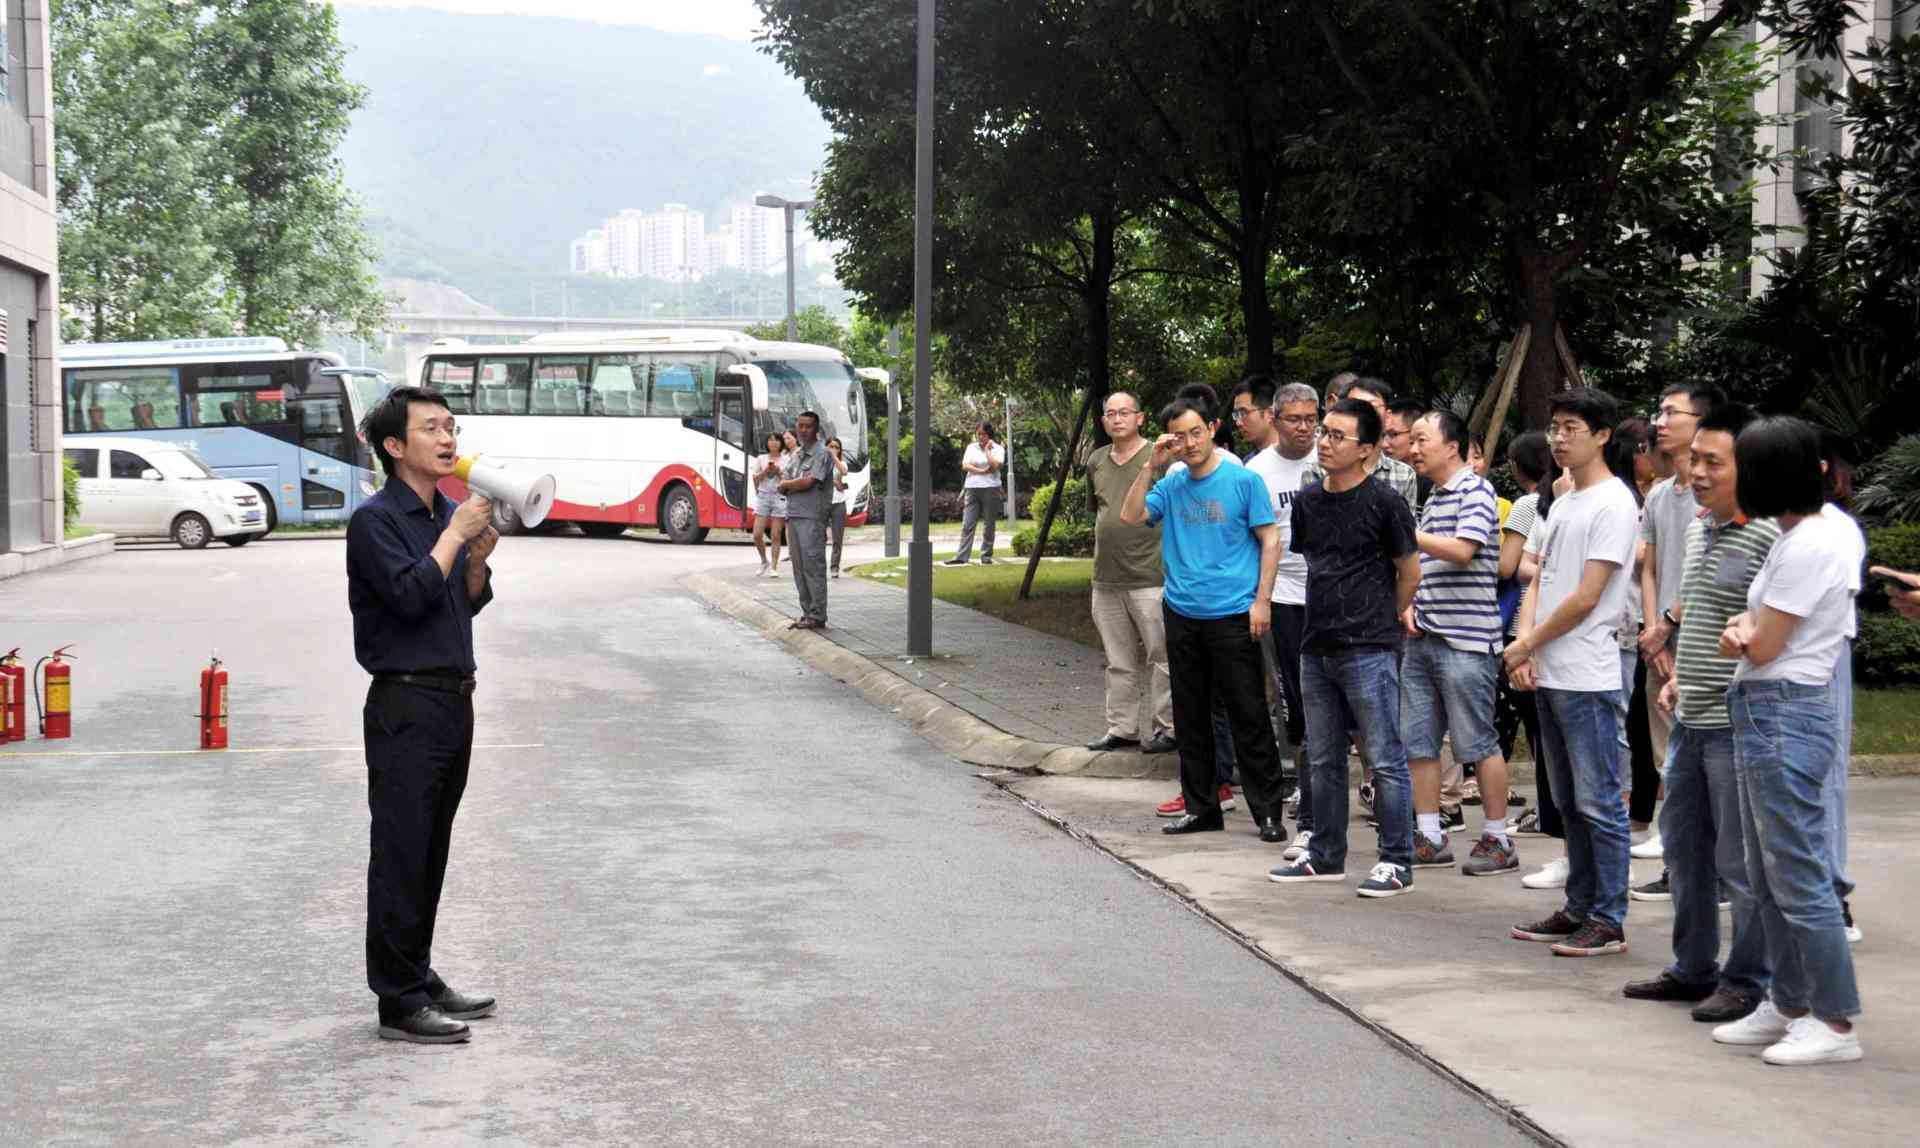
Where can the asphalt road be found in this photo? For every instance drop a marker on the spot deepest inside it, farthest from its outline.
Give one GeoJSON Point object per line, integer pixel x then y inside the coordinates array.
{"type": "Point", "coordinates": [721, 898]}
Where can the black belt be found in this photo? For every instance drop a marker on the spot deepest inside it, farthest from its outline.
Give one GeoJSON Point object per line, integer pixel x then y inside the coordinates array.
{"type": "Point", "coordinates": [441, 682]}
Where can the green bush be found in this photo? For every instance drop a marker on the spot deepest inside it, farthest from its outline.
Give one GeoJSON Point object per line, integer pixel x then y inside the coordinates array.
{"type": "Point", "coordinates": [1074, 510]}
{"type": "Point", "coordinates": [1887, 651]}
{"type": "Point", "coordinates": [1069, 538]}
{"type": "Point", "coordinates": [70, 486]}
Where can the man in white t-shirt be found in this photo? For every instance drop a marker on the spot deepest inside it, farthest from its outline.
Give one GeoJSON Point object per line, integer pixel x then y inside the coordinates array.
{"type": "Point", "coordinates": [982, 462]}
{"type": "Point", "coordinates": [1568, 651]}
{"type": "Point", "coordinates": [1279, 423]}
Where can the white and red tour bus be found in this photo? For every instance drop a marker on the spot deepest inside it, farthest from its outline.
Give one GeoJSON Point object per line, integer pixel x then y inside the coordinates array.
{"type": "Point", "coordinates": [649, 428]}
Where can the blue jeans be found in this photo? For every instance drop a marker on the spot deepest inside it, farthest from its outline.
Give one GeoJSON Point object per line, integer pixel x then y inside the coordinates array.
{"type": "Point", "coordinates": [1837, 783]}
{"type": "Point", "coordinates": [1583, 733]}
{"type": "Point", "coordinates": [1356, 687]}
{"type": "Point", "coordinates": [1700, 824]}
{"type": "Point", "coordinates": [1783, 745]}
{"type": "Point", "coordinates": [1444, 691]}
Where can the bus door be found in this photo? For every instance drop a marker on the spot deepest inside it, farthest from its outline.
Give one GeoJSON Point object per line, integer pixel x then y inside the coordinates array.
{"type": "Point", "coordinates": [326, 448]}
{"type": "Point", "coordinates": [733, 430]}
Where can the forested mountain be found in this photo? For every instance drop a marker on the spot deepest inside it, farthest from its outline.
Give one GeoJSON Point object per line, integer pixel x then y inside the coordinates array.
{"type": "Point", "coordinates": [489, 142]}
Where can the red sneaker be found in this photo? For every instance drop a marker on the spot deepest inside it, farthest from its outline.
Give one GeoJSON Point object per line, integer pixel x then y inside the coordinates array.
{"type": "Point", "coordinates": [1178, 806]}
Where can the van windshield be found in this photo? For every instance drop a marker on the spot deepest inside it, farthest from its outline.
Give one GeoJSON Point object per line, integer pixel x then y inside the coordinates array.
{"type": "Point", "coordinates": [179, 464]}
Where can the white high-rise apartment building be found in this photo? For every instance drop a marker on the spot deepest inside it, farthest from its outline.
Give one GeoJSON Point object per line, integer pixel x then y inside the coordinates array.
{"type": "Point", "coordinates": [623, 244]}
{"type": "Point", "coordinates": [673, 243]}
{"type": "Point", "coordinates": [590, 254]}
{"type": "Point", "coordinates": [1812, 128]}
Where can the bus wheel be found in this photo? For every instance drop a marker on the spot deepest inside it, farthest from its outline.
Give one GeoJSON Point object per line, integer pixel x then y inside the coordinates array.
{"type": "Point", "coordinates": [679, 516]}
{"type": "Point", "coordinates": [191, 532]}
{"type": "Point", "coordinates": [603, 529]}
{"type": "Point", "coordinates": [273, 512]}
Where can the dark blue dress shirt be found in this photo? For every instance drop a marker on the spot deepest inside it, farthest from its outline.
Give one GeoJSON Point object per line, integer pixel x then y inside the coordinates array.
{"type": "Point", "coordinates": [408, 618]}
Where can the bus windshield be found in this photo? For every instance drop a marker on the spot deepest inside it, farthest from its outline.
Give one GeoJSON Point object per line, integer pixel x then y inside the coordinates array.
{"type": "Point", "coordinates": [825, 386]}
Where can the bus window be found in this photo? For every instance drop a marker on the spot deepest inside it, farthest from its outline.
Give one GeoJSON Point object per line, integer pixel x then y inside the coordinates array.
{"type": "Point", "coordinates": [122, 399]}
{"type": "Point", "coordinates": [682, 387]}
{"type": "Point", "coordinates": [453, 378]}
{"type": "Point", "coordinates": [559, 385]}
{"type": "Point", "coordinates": [619, 385]}
{"type": "Point", "coordinates": [237, 396]}
{"type": "Point", "coordinates": [502, 387]}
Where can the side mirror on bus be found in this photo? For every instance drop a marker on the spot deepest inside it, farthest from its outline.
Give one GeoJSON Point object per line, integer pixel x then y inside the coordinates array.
{"type": "Point", "coordinates": [756, 385]}
{"type": "Point", "coordinates": [883, 377]}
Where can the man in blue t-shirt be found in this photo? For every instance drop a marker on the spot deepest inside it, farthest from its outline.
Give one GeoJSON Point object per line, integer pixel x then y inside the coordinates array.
{"type": "Point", "coordinates": [1218, 549]}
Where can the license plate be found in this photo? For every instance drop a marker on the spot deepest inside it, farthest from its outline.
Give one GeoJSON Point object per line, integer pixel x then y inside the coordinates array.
{"type": "Point", "coordinates": [251, 518]}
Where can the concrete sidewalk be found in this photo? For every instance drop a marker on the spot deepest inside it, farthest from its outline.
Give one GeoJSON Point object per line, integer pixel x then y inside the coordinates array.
{"type": "Point", "coordinates": [1550, 1038]}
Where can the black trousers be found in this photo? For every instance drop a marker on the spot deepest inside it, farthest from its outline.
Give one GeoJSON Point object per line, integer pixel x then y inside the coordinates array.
{"type": "Point", "coordinates": [418, 743]}
{"type": "Point", "coordinates": [1217, 659]}
{"type": "Point", "coordinates": [1646, 771]}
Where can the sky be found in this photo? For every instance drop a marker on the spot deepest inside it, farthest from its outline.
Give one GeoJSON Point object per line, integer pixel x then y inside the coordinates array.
{"type": "Point", "coordinates": [734, 19]}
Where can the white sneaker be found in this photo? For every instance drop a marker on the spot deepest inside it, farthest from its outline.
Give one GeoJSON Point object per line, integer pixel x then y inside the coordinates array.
{"type": "Point", "coordinates": [1552, 875]}
{"type": "Point", "coordinates": [1810, 1041]}
{"type": "Point", "coordinates": [1763, 1025]}
{"type": "Point", "coordinates": [1298, 849]}
{"type": "Point", "coordinates": [1652, 849]}
{"type": "Point", "coordinates": [1854, 934]}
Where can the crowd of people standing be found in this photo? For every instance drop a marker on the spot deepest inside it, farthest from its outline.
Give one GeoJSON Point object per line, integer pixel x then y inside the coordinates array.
{"type": "Point", "coordinates": [1667, 611]}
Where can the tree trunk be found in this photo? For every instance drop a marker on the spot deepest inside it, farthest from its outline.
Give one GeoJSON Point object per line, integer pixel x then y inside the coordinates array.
{"type": "Point", "coordinates": [1540, 375]}
{"type": "Point", "coordinates": [1097, 301]}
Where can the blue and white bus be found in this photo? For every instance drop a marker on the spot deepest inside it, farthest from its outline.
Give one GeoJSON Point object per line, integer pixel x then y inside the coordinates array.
{"type": "Point", "coordinates": [284, 421]}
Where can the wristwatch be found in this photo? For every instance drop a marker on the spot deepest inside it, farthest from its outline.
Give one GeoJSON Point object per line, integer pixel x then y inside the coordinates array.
{"type": "Point", "coordinates": [1666, 615]}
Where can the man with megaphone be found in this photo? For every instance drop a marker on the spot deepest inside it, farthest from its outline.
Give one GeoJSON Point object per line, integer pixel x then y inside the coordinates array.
{"type": "Point", "coordinates": [417, 573]}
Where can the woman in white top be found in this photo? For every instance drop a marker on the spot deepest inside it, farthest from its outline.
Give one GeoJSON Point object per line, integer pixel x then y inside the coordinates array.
{"type": "Point", "coordinates": [838, 527]}
{"type": "Point", "coordinates": [1785, 730]}
{"type": "Point", "coordinates": [769, 506]}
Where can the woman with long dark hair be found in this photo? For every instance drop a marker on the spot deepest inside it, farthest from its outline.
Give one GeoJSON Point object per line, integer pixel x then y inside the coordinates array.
{"type": "Point", "coordinates": [769, 506]}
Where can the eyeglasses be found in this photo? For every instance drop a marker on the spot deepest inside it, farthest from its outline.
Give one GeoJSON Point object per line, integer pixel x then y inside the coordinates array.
{"type": "Point", "coordinates": [1566, 429]}
{"type": "Point", "coordinates": [1298, 420]}
{"type": "Point", "coordinates": [430, 429]}
{"type": "Point", "coordinates": [1197, 434]}
{"type": "Point", "coordinates": [1336, 438]}
{"type": "Point", "coordinates": [1665, 413]}
{"type": "Point", "coordinates": [1240, 413]}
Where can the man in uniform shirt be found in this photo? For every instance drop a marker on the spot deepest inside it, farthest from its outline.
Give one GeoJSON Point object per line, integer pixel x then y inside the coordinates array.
{"type": "Point", "coordinates": [807, 481]}
{"type": "Point", "coordinates": [416, 575]}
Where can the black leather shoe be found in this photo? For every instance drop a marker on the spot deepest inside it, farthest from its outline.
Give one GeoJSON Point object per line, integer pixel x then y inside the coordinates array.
{"type": "Point", "coordinates": [1195, 823]}
{"type": "Point", "coordinates": [427, 1026]}
{"type": "Point", "coordinates": [1666, 987]}
{"type": "Point", "coordinates": [1112, 742]}
{"type": "Point", "coordinates": [1161, 743]}
{"type": "Point", "coordinates": [1725, 1005]}
{"type": "Point", "coordinates": [1272, 832]}
{"type": "Point", "coordinates": [460, 1006]}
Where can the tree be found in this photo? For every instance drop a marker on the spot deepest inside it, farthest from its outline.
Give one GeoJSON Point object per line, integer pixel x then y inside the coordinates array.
{"type": "Point", "coordinates": [136, 257]}
{"type": "Point", "coordinates": [276, 101]}
{"type": "Point", "coordinates": [198, 188]}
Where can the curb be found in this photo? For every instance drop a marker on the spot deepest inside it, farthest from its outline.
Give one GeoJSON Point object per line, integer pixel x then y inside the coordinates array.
{"type": "Point", "coordinates": [977, 742]}
{"type": "Point", "coordinates": [950, 728]}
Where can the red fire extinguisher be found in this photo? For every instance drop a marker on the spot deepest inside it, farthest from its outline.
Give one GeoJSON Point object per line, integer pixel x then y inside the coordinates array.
{"type": "Point", "coordinates": [56, 700]}
{"type": "Point", "coordinates": [213, 706]}
{"type": "Point", "coordinates": [13, 698]}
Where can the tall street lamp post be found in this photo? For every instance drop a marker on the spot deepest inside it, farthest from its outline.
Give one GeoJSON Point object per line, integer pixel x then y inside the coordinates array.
{"type": "Point", "coordinates": [788, 206]}
{"type": "Point", "coordinates": [920, 553]}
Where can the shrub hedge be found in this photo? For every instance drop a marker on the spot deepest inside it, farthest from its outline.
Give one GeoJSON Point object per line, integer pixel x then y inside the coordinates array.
{"type": "Point", "coordinates": [1070, 538]}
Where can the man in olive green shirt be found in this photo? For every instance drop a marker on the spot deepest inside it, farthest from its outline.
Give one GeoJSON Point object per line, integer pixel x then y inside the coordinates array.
{"type": "Point", "coordinates": [1126, 585]}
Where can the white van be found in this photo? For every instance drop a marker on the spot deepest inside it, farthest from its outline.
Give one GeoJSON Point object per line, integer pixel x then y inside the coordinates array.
{"type": "Point", "coordinates": [141, 486]}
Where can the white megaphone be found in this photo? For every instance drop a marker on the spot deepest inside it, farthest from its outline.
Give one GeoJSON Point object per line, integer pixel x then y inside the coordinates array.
{"type": "Point", "coordinates": [529, 496]}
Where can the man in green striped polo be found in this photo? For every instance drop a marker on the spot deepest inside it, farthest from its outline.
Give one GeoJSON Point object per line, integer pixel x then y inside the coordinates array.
{"type": "Point", "coordinates": [1700, 820]}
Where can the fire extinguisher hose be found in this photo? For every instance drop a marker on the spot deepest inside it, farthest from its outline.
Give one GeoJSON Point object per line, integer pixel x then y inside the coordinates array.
{"type": "Point", "coordinates": [37, 712]}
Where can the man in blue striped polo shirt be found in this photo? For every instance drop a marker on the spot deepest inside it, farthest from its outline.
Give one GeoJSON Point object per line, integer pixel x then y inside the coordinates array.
{"type": "Point", "coordinates": [1451, 667]}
